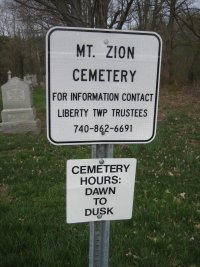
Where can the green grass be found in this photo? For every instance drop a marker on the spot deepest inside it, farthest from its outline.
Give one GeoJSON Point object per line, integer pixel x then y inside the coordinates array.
{"type": "Point", "coordinates": [166, 218]}
{"type": "Point", "coordinates": [165, 228]}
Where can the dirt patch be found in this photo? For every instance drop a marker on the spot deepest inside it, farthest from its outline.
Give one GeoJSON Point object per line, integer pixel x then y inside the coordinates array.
{"type": "Point", "coordinates": [4, 193]}
{"type": "Point", "coordinates": [175, 100]}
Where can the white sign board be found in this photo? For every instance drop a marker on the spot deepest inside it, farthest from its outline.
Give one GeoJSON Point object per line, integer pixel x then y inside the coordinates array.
{"type": "Point", "coordinates": [99, 190]}
{"type": "Point", "coordinates": [102, 85]}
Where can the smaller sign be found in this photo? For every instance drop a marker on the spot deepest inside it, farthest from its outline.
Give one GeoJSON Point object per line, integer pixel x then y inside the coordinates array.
{"type": "Point", "coordinates": [100, 189]}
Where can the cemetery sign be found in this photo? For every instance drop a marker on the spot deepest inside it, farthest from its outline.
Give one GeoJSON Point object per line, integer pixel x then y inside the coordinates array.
{"type": "Point", "coordinates": [100, 189]}
{"type": "Point", "coordinates": [102, 86]}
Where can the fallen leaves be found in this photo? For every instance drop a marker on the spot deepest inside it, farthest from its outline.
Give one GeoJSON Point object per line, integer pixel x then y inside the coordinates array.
{"type": "Point", "coordinates": [178, 199]}
{"type": "Point", "coordinates": [197, 226]}
{"type": "Point", "coordinates": [182, 195]}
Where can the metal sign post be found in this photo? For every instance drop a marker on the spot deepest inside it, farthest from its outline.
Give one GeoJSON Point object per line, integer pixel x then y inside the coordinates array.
{"type": "Point", "coordinates": [99, 244]}
{"type": "Point", "coordinates": [100, 231]}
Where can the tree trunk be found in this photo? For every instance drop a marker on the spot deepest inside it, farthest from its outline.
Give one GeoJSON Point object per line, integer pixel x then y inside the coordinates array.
{"type": "Point", "coordinates": [101, 13]}
{"type": "Point", "coordinates": [170, 41]}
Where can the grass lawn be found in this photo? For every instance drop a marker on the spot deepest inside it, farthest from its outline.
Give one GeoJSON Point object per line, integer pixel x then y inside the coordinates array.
{"type": "Point", "coordinates": [165, 228]}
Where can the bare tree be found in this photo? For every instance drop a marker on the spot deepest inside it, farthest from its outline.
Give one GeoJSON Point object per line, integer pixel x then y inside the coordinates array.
{"type": "Point", "coordinates": [87, 13]}
{"type": "Point", "coordinates": [179, 20]}
{"type": "Point", "coordinates": [176, 20]}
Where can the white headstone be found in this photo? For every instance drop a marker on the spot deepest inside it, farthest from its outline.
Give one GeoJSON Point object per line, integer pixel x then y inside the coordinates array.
{"type": "Point", "coordinates": [18, 114]}
{"type": "Point", "coordinates": [9, 75]}
{"type": "Point", "coordinates": [31, 79]}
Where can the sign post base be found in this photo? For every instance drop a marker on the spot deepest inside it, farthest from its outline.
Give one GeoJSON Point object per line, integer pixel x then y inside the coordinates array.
{"type": "Point", "coordinates": [100, 231]}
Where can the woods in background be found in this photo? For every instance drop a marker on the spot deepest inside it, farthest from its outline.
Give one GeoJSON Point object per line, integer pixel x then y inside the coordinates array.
{"type": "Point", "coordinates": [23, 26]}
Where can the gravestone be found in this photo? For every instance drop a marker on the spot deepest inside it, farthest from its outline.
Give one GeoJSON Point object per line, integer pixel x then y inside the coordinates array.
{"type": "Point", "coordinates": [31, 79]}
{"type": "Point", "coordinates": [18, 114]}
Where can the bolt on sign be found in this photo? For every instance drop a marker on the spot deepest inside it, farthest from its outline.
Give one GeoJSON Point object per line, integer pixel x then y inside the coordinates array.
{"type": "Point", "coordinates": [102, 86]}
{"type": "Point", "coordinates": [100, 189]}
